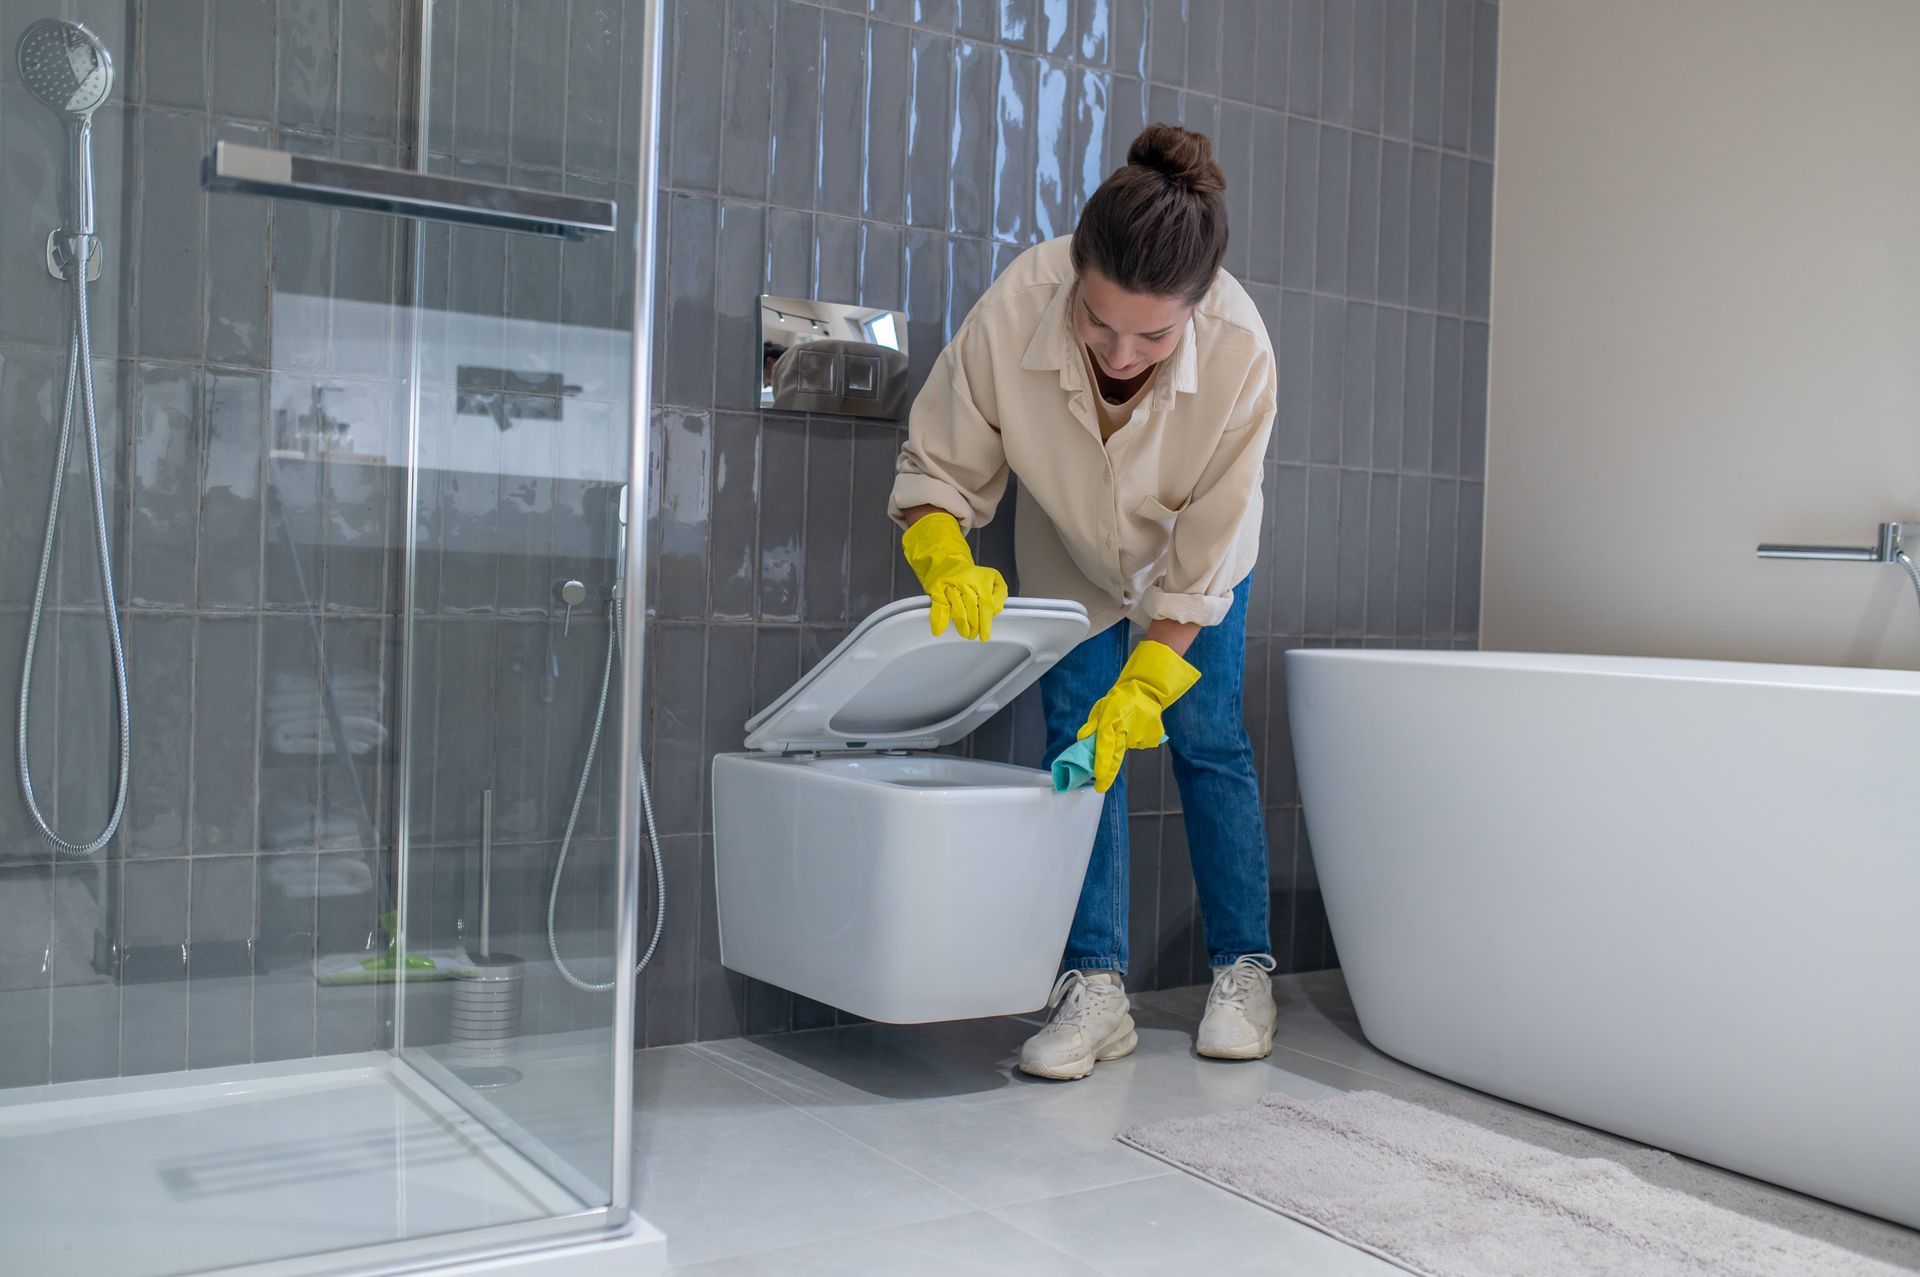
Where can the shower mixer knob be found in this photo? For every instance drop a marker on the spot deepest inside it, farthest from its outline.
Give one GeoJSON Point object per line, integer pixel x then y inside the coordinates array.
{"type": "Point", "coordinates": [573, 594]}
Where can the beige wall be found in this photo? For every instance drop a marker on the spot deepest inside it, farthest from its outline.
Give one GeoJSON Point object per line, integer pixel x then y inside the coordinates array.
{"type": "Point", "coordinates": [1706, 327]}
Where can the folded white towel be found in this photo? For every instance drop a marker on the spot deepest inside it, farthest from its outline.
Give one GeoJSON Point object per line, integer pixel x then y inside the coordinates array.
{"type": "Point", "coordinates": [313, 734]}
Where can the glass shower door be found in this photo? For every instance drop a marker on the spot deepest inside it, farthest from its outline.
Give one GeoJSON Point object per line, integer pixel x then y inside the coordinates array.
{"type": "Point", "coordinates": [294, 1001]}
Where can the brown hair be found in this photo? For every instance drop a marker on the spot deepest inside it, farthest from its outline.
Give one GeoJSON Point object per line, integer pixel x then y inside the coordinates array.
{"type": "Point", "coordinates": [1158, 225]}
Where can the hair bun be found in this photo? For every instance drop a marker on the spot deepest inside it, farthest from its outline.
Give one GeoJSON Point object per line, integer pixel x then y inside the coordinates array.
{"type": "Point", "coordinates": [1182, 156]}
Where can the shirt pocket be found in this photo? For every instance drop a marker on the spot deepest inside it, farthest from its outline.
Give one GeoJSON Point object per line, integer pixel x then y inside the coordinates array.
{"type": "Point", "coordinates": [1152, 509]}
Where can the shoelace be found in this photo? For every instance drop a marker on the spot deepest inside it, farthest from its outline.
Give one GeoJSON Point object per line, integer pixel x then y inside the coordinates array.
{"type": "Point", "coordinates": [1073, 997]}
{"type": "Point", "coordinates": [1234, 983]}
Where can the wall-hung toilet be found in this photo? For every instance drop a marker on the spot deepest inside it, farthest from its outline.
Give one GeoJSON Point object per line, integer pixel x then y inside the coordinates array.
{"type": "Point", "coordinates": [855, 866]}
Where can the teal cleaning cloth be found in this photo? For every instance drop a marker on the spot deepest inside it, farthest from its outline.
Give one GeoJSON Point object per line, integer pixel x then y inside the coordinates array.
{"type": "Point", "coordinates": [1074, 769]}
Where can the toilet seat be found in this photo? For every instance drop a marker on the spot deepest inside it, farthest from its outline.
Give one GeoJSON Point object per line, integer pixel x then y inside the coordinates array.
{"type": "Point", "coordinates": [892, 685]}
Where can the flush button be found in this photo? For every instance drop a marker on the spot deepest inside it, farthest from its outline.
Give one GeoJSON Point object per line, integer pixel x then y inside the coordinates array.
{"type": "Point", "coordinates": [863, 376]}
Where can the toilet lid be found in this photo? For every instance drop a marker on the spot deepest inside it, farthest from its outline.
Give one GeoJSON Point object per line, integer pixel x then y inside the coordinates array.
{"type": "Point", "coordinates": [893, 685]}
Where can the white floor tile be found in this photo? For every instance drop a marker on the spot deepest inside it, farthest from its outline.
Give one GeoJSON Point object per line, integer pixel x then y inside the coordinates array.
{"type": "Point", "coordinates": [1178, 1224]}
{"type": "Point", "coordinates": [964, 1246]}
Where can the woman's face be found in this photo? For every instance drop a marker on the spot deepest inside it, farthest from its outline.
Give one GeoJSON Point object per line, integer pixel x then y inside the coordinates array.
{"type": "Point", "coordinates": [1128, 333]}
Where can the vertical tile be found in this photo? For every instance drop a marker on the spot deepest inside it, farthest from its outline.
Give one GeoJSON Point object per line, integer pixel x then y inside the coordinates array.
{"type": "Point", "coordinates": [977, 19]}
{"type": "Point", "coordinates": [1092, 126]}
{"type": "Point", "coordinates": [1293, 416]}
{"type": "Point", "coordinates": [1466, 570]}
{"type": "Point", "coordinates": [1423, 233]}
{"type": "Point", "coordinates": [172, 231]}
{"type": "Point", "coordinates": [748, 130]}
{"type": "Point", "coordinates": [782, 516]}
{"type": "Point", "coordinates": [1411, 572]}
{"type": "Point", "coordinates": [1092, 36]}
{"type": "Point", "coordinates": [1396, 74]}
{"type": "Point", "coordinates": [736, 304]}
{"type": "Point", "coordinates": [242, 29]}
{"type": "Point", "coordinates": [1167, 54]}
{"type": "Point", "coordinates": [1013, 138]}
{"type": "Point", "coordinates": [483, 83]}
{"type": "Point", "coordinates": [1396, 176]}
{"type": "Point", "coordinates": [1429, 70]}
{"type": "Point", "coordinates": [975, 113]}
{"type": "Point", "coordinates": [796, 105]}
{"type": "Point", "coordinates": [1323, 548]}
{"type": "Point", "coordinates": [1204, 48]}
{"type": "Point", "coordinates": [1289, 548]}
{"type": "Point", "coordinates": [1452, 290]}
{"type": "Point", "coordinates": [1273, 44]}
{"type": "Point", "coordinates": [843, 116]}
{"type": "Point", "coordinates": [1058, 29]}
{"type": "Point", "coordinates": [1240, 68]}
{"type": "Point", "coordinates": [930, 120]}
{"type": "Point", "coordinates": [1389, 388]}
{"type": "Point", "coordinates": [164, 474]}
{"type": "Point", "coordinates": [882, 266]}
{"type": "Point", "coordinates": [1179, 920]}
{"type": "Point", "coordinates": [25, 1029]}
{"type": "Point", "coordinates": [593, 110]}
{"type": "Point", "coordinates": [1233, 144]}
{"type": "Point", "coordinates": [1130, 49]}
{"type": "Point", "coordinates": [1200, 112]}
{"type": "Point", "coordinates": [1486, 53]}
{"type": "Point", "coordinates": [1356, 403]}
{"type": "Point", "coordinates": [875, 544]}
{"type": "Point", "coordinates": [1336, 63]}
{"type": "Point", "coordinates": [720, 995]}
{"type": "Point", "coordinates": [1329, 378]}
{"type": "Point", "coordinates": [1479, 240]}
{"type": "Point", "coordinates": [1416, 446]}
{"type": "Point", "coordinates": [1265, 251]}
{"type": "Point", "coordinates": [730, 648]}
{"type": "Point", "coordinates": [173, 70]}
{"type": "Point", "coordinates": [1143, 900]}
{"type": "Point", "coordinates": [1053, 120]}
{"type": "Point", "coordinates": [160, 693]}
{"type": "Point", "coordinates": [220, 935]}
{"type": "Point", "coordinates": [1363, 219]}
{"type": "Point", "coordinates": [1473, 402]}
{"type": "Point", "coordinates": [309, 46]}
{"type": "Point", "coordinates": [699, 60]}
{"type": "Point", "coordinates": [371, 44]}
{"type": "Point", "coordinates": [1305, 40]}
{"type": "Point", "coordinates": [689, 370]}
{"type": "Point", "coordinates": [1330, 235]}
{"type": "Point", "coordinates": [836, 259]}
{"type": "Point", "coordinates": [237, 284]}
{"type": "Point", "coordinates": [225, 721]}
{"type": "Point", "coordinates": [1302, 204]}
{"type": "Point", "coordinates": [680, 589]}
{"type": "Point", "coordinates": [1442, 522]}
{"type": "Point", "coordinates": [1128, 118]}
{"type": "Point", "coordinates": [969, 271]}
{"type": "Point", "coordinates": [1447, 359]}
{"type": "Point", "coordinates": [670, 983]}
{"type": "Point", "coordinates": [789, 253]}
{"type": "Point", "coordinates": [901, 11]}
{"type": "Point", "coordinates": [926, 286]}
{"type": "Point", "coordinates": [1369, 64]}
{"type": "Point", "coordinates": [1383, 551]}
{"type": "Point", "coordinates": [679, 728]}
{"type": "Point", "coordinates": [1019, 24]}
{"type": "Point", "coordinates": [153, 1010]}
{"type": "Point", "coordinates": [1457, 88]}
{"type": "Point", "coordinates": [829, 477]}
{"type": "Point", "coordinates": [889, 83]}
{"type": "Point", "coordinates": [1164, 105]}
{"type": "Point", "coordinates": [1350, 616]}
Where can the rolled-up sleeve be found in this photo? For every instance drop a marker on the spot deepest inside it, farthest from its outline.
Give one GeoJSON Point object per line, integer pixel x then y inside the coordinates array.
{"type": "Point", "coordinates": [954, 458]}
{"type": "Point", "coordinates": [1216, 535]}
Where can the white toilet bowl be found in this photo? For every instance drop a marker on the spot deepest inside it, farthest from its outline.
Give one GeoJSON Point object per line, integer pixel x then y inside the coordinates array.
{"type": "Point", "coordinates": [858, 868]}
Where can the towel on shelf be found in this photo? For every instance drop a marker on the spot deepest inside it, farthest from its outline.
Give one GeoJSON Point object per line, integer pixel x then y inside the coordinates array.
{"type": "Point", "coordinates": [296, 717]}
{"type": "Point", "coordinates": [310, 733]}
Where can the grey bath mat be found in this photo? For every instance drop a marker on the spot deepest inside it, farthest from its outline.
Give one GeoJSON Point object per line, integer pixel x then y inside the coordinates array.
{"type": "Point", "coordinates": [1456, 1186]}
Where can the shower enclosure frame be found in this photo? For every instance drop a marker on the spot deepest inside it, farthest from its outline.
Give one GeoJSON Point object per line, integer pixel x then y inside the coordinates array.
{"type": "Point", "coordinates": [579, 1237]}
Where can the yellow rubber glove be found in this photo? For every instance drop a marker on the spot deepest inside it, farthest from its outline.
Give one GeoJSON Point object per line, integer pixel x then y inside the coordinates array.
{"type": "Point", "coordinates": [1128, 717]}
{"type": "Point", "coordinates": [968, 595]}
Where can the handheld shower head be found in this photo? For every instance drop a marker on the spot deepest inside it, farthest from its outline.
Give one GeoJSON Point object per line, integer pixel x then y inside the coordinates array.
{"type": "Point", "coordinates": [68, 69]}
{"type": "Point", "coordinates": [65, 66]}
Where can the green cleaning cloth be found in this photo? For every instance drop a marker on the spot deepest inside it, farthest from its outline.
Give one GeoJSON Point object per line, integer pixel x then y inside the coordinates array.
{"type": "Point", "coordinates": [1074, 768]}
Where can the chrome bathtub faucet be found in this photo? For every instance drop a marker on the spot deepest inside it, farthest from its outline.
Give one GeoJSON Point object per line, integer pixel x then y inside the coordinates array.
{"type": "Point", "coordinates": [1897, 543]}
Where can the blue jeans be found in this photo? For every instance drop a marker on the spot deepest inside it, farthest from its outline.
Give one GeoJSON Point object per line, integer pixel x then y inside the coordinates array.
{"type": "Point", "coordinates": [1213, 764]}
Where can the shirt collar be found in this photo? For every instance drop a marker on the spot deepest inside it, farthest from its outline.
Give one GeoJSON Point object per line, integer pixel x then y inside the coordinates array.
{"type": "Point", "coordinates": [1054, 347]}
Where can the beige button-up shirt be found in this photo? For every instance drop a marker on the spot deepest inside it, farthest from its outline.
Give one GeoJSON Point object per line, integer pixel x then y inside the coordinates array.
{"type": "Point", "coordinates": [1160, 521]}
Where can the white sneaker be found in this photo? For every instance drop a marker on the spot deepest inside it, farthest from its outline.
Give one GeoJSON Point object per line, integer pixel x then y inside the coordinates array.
{"type": "Point", "coordinates": [1240, 1014]}
{"type": "Point", "coordinates": [1090, 1023]}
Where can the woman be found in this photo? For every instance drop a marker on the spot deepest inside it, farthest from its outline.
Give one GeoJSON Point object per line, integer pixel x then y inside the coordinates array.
{"type": "Point", "coordinates": [1127, 381]}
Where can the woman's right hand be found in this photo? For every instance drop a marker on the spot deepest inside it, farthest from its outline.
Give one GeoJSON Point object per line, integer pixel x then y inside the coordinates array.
{"type": "Point", "coordinates": [963, 593]}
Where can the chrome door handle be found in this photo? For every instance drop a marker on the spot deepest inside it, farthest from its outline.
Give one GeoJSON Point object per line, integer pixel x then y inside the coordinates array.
{"type": "Point", "coordinates": [316, 179]}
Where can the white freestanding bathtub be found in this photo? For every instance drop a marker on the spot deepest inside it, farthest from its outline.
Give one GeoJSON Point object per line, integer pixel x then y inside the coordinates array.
{"type": "Point", "coordinates": [1676, 900]}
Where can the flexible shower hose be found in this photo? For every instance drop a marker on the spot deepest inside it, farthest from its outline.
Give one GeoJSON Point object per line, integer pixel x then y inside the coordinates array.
{"type": "Point", "coordinates": [573, 819]}
{"type": "Point", "coordinates": [80, 385]}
